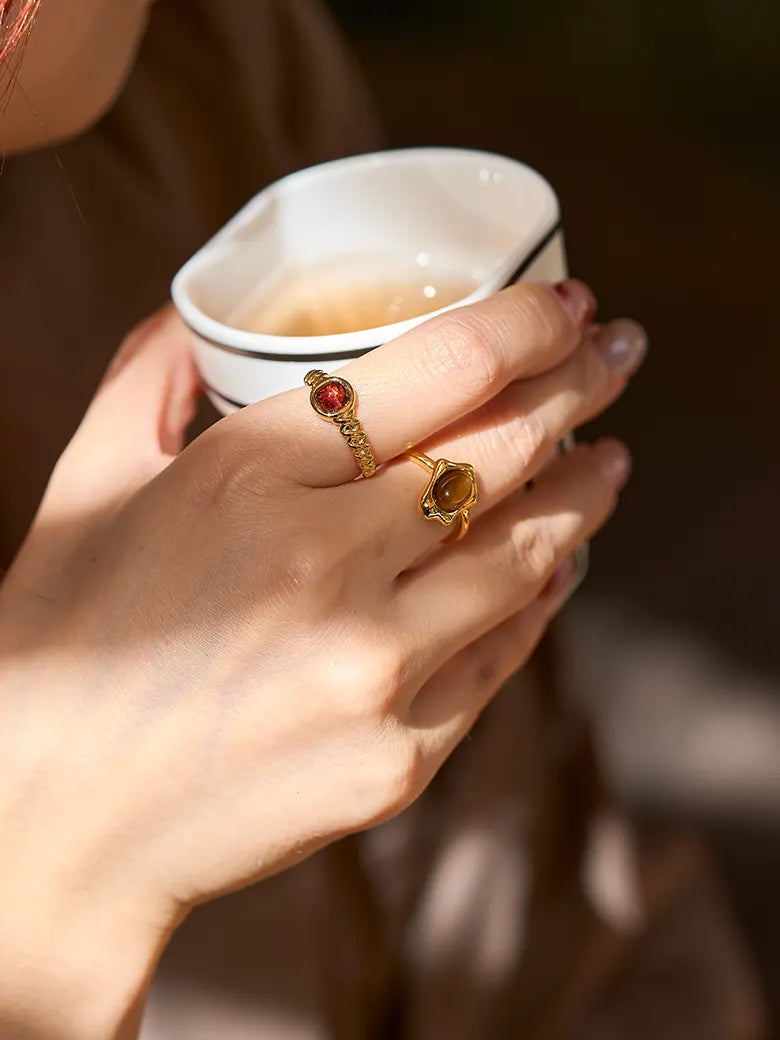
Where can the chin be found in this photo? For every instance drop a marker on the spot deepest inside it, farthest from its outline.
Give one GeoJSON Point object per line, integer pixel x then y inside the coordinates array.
{"type": "Point", "coordinates": [71, 69]}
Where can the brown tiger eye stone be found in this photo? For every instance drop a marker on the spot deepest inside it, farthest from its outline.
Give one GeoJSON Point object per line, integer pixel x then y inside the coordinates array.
{"type": "Point", "coordinates": [452, 490]}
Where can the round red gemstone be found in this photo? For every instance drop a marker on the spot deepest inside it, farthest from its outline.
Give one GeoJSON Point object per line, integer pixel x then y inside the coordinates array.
{"type": "Point", "coordinates": [331, 397]}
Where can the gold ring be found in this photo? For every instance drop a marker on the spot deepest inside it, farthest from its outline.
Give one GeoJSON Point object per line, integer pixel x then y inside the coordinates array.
{"type": "Point", "coordinates": [449, 494]}
{"type": "Point", "coordinates": [335, 399]}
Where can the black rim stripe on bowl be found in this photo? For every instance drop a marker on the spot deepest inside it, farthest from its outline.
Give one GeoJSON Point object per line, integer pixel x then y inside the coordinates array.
{"type": "Point", "coordinates": [262, 355]}
{"type": "Point", "coordinates": [540, 246]}
{"type": "Point", "coordinates": [228, 400]}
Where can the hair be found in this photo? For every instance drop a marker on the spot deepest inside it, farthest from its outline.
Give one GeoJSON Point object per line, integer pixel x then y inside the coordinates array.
{"type": "Point", "coordinates": [16, 18]}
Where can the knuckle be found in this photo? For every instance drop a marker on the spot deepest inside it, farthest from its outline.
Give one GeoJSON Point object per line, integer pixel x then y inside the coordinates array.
{"type": "Point", "coordinates": [236, 478]}
{"type": "Point", "coordinates": [387, 668]}
{"type": "Point", "coordinates": [525, 438]}
{"type": "Point", "coordinates": [464, 349]}
{"type": "Point", "coordinates": [533, 551]}
{"type": "Point", "coordinates": [240, 452]}
{"type": "Point", "coordinates": [402, 773]}
{"type": "Point", "coordinates": [226, 467]}
{"type": "Point", "coordinates": [537, 316]}
{"type": "Point", "coordinates": [370, 686]}
{"type": "Point", "coordinates": [233, 486]}
{"type": "Point", "coordinates": [304, 565]}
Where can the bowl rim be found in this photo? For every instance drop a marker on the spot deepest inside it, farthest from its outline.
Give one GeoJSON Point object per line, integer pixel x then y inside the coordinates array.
{"type": "Point", "coordinates": [347, 345]}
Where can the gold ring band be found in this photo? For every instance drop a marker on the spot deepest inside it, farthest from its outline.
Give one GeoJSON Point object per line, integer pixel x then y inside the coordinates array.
{"type": "Point", "coordinates": [450, 493]}
{"type": "Point", "coordinates": [335, 399]}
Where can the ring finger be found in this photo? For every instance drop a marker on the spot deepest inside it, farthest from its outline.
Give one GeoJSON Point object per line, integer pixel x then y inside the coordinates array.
{"type": "Point", "coordinates": [460, 594]}
{"type": "Point", "coordinates": [510, 439]}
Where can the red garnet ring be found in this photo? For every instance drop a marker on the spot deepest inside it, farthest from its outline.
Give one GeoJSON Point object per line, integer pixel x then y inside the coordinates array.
{"type": "Point", "coordinates": [334, 398]}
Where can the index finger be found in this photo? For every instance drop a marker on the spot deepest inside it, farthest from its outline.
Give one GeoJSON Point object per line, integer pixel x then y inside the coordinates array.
{"type": "Point", "coordinates": [434, 374]}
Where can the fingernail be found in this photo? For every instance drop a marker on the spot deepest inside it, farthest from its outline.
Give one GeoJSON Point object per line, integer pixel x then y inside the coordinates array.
{"type": "Point", "coordinates": [615, 462]}
{"type": "Point", "coordinates": [577, 299]}
{"type": "Point", "coordinates": [623, 344]}
{"type": "Point", "coordinates": [561, 584]}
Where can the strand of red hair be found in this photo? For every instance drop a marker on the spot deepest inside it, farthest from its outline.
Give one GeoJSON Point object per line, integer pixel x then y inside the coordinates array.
{"type": "Point", "coordinates": [16, 18]}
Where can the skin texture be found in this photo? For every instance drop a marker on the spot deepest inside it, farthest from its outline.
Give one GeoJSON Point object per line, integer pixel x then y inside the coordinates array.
{"type": "Point", "coordinates": [67, 71]}
{"type": "Point", "coordinates": [214, 661]}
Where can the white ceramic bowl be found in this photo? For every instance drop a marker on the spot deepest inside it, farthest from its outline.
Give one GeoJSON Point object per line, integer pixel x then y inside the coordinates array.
{"type": "Point", "coordinates": [486, 218]}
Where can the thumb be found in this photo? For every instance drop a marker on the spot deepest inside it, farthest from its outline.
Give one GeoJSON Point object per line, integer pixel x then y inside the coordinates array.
{"type": "Point", "coordinates": [135, 424]}
{"type": "Point", "coordinates": [139, 416]}
{"type": "Point", "coordinates": [149, 392]}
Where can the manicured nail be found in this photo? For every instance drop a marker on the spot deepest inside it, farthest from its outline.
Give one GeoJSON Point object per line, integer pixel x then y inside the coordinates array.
{"type": "Point", "coordinates": [561, 584]}
{"type": "Point", "coordinates": [623, 344]}
{"type": "Point", "coordinates": [615, 462]}
{"type": "Point", "coordinates": [577, 299]}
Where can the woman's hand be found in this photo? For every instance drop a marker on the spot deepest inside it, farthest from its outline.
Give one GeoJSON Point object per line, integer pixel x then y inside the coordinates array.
{"type": "Point", "coordinates": [214, 662]}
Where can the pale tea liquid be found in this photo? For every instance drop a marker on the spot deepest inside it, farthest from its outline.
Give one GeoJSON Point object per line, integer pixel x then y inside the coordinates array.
{"type": "Point", "coordinates": [329, 301]}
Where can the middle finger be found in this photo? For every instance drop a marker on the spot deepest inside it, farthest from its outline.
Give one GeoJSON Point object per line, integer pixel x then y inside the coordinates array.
{"type": "Point", "coordinates": [510, 439]}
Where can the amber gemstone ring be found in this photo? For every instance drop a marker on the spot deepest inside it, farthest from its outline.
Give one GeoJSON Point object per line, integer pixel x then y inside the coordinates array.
{"type": "Point", "coordinates": [450, 493]}
{"type": "Point", "coordinates": [335, 399]}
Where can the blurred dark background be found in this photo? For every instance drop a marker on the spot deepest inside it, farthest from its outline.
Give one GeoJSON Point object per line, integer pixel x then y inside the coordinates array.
{"type": "Point", "coordinates": [656, 121]}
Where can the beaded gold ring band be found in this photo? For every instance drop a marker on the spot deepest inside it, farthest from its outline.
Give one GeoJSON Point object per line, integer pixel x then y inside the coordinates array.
{"type": "Point", "coordinates": [335, 399]}
{"type": "Point", "coordinates": [449, 494]}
